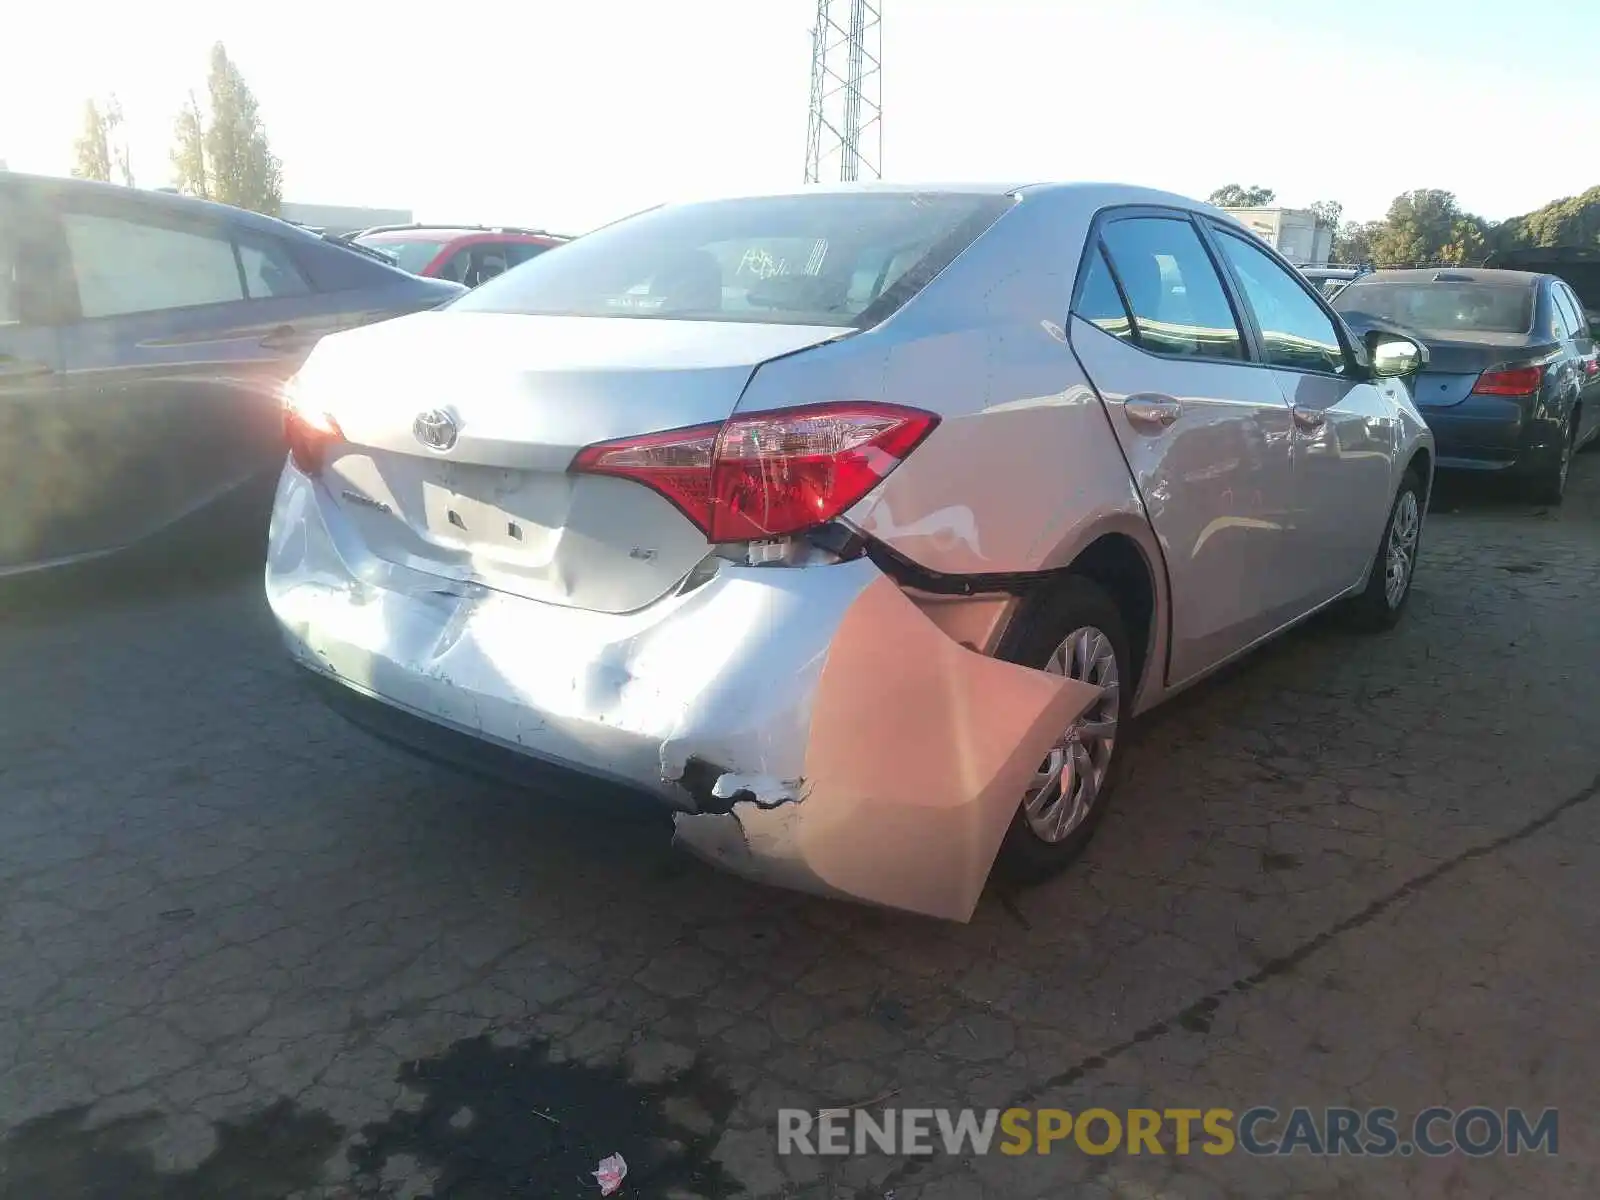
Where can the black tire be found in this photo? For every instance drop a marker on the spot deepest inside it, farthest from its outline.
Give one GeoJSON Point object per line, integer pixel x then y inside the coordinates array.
{"type": "Point", "coordinates": [1075, 603]}
{"type": "Point", "coordinates": [1549, 486]}
{"type": "Point", "coordinates": [1372, 611]}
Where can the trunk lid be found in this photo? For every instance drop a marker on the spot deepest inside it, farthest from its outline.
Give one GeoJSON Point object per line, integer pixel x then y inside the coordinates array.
{"type": "Point", "coordinates": [522, 395]}
{"type": "Point", "coordinates": [1454, 364]}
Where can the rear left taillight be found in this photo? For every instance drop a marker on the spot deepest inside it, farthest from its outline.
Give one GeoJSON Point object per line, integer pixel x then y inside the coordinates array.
{"type": "Point", "coordinates": [1509, 381]}
{"type": "Point", "coordinates": [308, 429]}
{"type": "Point", "coordinates": [769, 474]}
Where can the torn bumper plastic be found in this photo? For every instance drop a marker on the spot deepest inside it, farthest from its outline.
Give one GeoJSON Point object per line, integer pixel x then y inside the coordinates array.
{"type": "Point", "coordinates": [918, 754]}
{"type": "Point", "coordinates": [866, 755]}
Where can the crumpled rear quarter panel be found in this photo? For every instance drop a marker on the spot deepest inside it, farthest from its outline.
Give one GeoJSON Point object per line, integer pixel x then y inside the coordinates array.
{"type": "Point", "coordinates": [919, 753]}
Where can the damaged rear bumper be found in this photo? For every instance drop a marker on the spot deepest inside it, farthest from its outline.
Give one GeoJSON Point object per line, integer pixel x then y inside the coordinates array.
{"type": "Point", "coordinates": [858, 752]}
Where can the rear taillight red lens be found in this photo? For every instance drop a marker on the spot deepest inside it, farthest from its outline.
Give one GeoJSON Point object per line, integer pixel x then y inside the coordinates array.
{"type": "Point", "coordinates": [308, 430]}
{"type": "Point", "coordinates": [1509, 381]}
{"type": "Point", "coordinates": [770, 474]}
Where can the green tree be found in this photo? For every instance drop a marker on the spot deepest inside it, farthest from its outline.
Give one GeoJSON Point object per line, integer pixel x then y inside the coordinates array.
{"type": "Point", "coordinates": [189, 152]}
{"type": "Point", "coordinates": [1233, 196]}
{"type": "Point", "coordinates": [1328, 211]}
{"type": "Point", "coordinates": [121, 159]}
{"type": "Point", "coordinates": [224, 154]}
{"type": "Point", "coordinates": [98, 151]}
{"type": "Point", "coordinates": [91, 149]}
{"type": "Point", "coordinates": [1570, 221]}
{"type": "Point", "coordinates": [1352, 242]}
{"type": "Point", "coordinates": [1428, 225]}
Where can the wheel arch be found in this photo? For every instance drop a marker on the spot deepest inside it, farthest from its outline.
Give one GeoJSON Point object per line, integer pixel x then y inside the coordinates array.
{"type": "Point", "coordinates": [1123, 560]}
{"type": "Point", "coordinates": [1422, 461]}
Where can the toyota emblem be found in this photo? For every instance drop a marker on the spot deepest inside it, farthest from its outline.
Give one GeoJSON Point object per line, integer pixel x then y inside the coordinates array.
{"type": "Point", "coordinates": [435, 429]}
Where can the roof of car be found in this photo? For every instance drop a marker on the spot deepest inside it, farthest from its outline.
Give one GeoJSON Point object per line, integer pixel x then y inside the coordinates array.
{"type": "Point", "coordinates": [1097, 194]}
{"type": "Point", "coordinates": [1456, 275]}
{"type": "Point", "coordinates": [449, 233]}
{"type": "Point", "coordinates": [171, 201]}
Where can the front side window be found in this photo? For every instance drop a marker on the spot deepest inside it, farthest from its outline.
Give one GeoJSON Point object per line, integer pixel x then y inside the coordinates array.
{"type": "Point", "coordinates": [1567, 313]}
{"type": "Point", "coordinates": [1177, 300]}
{"type": "Point", "coordinates": [1295, 332]}
{"type": "Point", "coordinates": [828, 258]}
{"type": "Point", "coordinates": [125, 266]}
{"type": "Point", "coordinates": [1582, 314]}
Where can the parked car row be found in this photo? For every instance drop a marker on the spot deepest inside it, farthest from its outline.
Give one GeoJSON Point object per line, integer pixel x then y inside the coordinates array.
{"type": "Point", "coordinates": [467, 255]}
{"type": "Point", "coordinates": [143, 341]}
{"type": "Point", "coordinates": [822, 518]}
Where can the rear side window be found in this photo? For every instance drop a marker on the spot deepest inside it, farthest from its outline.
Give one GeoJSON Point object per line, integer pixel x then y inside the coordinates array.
{"type": "Point", "coordinates": [409, 254]}
{"type": "Point", "coordinates": [269, 272]}
{"type": "Point", "coordinates": [1295, 332]}
{"type": "Point", "coordinates": [1099, 302]}
{"type": "Point", "coordinates": [1179, 306]}
{"type": "Point", "coordinates": [521, 252]}
{"type": "Point", "coordinates": [124, 266]}
{"type": "Point", "coordinates": [828, 258]}
{"type": "Point", "coordinates": [10, 262]}
{"type": "Point", "coordinates": [1441, 307]}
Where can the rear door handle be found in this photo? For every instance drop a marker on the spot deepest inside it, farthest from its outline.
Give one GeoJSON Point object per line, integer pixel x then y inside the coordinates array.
{"type": "Point", "coordinates": [1309, 419]}
{"type": "Point", "coordinates": [12, 367]}
{"type": "Point", "coordinates": [1151, 414]}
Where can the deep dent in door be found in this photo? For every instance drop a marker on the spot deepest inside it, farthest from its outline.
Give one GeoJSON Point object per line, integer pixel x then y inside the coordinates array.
{"type": "Point", "coordinates": [918, 755]}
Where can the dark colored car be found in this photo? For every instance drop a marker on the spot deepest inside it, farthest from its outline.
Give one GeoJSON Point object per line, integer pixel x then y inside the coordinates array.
{"type": "Point", "coordinates": [144, 338]}
{"type": "Point", "coordinates": [466, 254]}
{"type": "Point", "coordinates": [1512, 383]}
{"type": "Point", "coordinates": [1578, 267]}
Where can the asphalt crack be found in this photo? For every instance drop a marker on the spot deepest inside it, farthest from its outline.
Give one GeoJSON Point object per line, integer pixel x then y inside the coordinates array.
{"type": "Point", "coordinates": [1196, 1016]}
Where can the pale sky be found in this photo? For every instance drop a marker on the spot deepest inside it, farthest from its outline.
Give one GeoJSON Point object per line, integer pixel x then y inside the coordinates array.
{"type": "Point", "coordinates": [567, 114]}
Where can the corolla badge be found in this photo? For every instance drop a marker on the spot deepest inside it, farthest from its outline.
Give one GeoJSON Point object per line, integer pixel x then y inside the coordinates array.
{"type": "Point", "coordinates": [435, 429]}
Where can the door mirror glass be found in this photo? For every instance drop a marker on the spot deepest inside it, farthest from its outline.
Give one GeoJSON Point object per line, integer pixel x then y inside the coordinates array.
{"type": "Point", "coordinates": [1394, 356]}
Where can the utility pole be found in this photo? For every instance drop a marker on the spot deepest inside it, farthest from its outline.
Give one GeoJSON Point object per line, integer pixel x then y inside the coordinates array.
{"type": "Point", "coordinates": [846, 125]}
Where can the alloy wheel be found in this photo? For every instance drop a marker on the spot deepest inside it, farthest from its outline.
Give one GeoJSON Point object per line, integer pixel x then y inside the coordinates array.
{"type": "Point", "coordinates": [1073, 774]}
{"type": "Point", "coordinates": [1401, 558]}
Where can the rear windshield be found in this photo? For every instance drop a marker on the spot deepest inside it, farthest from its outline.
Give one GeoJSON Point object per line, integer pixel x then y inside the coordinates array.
{"type": "Point", "coordinates": [409, 254]}
{"type": "Point", "coordinates": [1442, 307]}
{"type": "Point", "coordinates": [830, 258]}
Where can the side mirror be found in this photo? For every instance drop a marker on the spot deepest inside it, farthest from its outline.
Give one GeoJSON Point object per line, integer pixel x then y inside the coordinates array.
{"type": "Point", "coordinates": [1394, 356]}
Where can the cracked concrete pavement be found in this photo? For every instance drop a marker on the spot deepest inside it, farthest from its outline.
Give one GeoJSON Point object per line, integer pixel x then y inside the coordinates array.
{"type": "Point", "coordinates": [249, 952]}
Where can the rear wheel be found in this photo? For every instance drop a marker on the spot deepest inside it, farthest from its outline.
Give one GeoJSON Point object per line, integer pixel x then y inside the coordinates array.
{"type": "Point", "coordinates": [1549, 487]}
{"type": "Point", "coordinates": [1077, 633]}
{"type": "Point", "coordinates": [1383, 600]}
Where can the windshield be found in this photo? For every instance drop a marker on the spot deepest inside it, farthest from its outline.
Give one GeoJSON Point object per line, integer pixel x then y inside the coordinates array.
{"type": "Point", "coordinates": [409, 254]}
{"type": "Point", "coordinates": [833, 258]}
{"type": "Point", "coordinates": [1442, 307]}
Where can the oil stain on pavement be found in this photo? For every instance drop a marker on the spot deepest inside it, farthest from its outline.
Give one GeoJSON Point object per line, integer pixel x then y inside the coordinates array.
{"type": "Point", "coordinates": [266, 1156]}
{"type": "Point", "coordinates": [499, 1122]}
{"type": "Point", "coordinates": [493, 1123]}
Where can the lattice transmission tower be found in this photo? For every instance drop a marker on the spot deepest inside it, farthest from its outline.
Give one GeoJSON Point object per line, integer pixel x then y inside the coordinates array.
{"type": "Point", "coordinates": [846, 125]}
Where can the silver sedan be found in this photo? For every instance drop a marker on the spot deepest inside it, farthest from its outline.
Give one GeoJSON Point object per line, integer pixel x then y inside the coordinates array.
{"type": "Point", "coordinates": [853, 524]}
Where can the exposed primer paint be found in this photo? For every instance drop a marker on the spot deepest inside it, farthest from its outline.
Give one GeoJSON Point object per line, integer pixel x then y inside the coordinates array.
{"type": "Point", "coordinates": [763, 789]}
